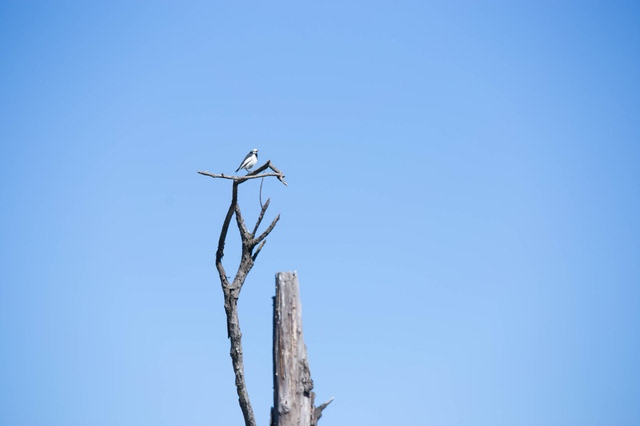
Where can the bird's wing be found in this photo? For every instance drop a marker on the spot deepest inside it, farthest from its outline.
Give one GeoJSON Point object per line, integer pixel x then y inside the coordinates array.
{"type": "Point", "coordinates": [244, 162]}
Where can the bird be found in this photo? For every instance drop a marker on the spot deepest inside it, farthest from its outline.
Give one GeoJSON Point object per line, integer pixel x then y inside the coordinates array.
{"type": "Point", "coordinates": [249, 161]}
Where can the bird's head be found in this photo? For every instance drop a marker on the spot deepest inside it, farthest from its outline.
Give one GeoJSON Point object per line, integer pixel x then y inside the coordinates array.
{"type": "Point", "coordinates": [254, 150]}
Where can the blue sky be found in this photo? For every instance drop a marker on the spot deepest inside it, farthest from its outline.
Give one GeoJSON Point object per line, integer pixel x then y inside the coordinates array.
{"type": "Point", "coordinates": [462, 209]}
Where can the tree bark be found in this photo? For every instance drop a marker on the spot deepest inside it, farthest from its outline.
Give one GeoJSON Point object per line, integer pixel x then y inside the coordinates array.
{"type": "Point", "coordinates": [293, 396]}
{"type": "Point", "coordinates": [251, 246]}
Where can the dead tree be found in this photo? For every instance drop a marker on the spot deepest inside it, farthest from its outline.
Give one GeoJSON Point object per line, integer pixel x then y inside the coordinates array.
{"type": "Point", "coordinates": [287, 290]}
{"type": "Point", "coordinates": [292, 384]}
{"type": "Point", "coordinates": [251, 246]}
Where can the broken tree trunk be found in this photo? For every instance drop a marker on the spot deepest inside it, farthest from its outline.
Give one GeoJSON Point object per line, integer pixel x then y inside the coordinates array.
{"type": "Point", "coordinates": [292, 384]}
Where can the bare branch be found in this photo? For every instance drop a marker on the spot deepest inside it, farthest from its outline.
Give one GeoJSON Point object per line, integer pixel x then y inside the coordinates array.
{"type": "Point", "coordinates": [317, 412]}
{"type": "Point", "coordinates": [221, 175]}
{"type": "Point", "coordinates": [250, 176]}
{"type": "Point", "coordinates": [262, 168]}
{"type": "Point", "coordinates": [258, 250]}
{"type": "Point", "coordinates": [262, 212]}
{"type": "Point", "coordinates": [274, 168]}
{"type": "Point", "coordinates": [277, 172]}
{"type": "Point", "coordinates": [253, 175]}
{"type": "Point", "coordinates": [223, 237]}
{"type": "Point", "coordinates": [325, 404]}
{"type": "Point", "coordinates": [243, 178]}
{"type": "Point", "coordinates": [244, 232]}
{"type": "Point", "coordinates": [268, 230]}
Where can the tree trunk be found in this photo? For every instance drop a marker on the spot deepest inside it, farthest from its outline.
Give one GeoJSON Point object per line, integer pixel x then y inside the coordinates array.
{"type": "Point", "coordinates": [293, 398]}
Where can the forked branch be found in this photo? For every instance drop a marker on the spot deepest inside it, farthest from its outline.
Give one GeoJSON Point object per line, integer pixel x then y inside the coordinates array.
{"type": "Point", "coordinates": [256, 174]}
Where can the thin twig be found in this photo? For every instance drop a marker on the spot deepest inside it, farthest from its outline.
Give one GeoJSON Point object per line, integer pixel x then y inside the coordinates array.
{"type": "Point", "coordinates": [268, 230]}
{"type": "Point", "coordinates": [258, 250]}
{"type": "Point", "coordinates": [259, 221]}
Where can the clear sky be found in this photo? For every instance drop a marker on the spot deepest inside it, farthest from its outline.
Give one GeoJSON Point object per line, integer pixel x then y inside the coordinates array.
{"type": "Point", "coordinates": [463, 208]}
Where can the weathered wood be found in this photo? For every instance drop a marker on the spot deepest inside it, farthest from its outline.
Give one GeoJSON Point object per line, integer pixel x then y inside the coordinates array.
{"type": "Point", "coordinates": [292, 394]}
{"type": "Point", "coordinates": [231, 290]}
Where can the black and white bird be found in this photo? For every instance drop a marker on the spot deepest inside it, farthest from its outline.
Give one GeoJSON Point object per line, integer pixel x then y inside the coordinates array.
{"type": "Point", "coordinates": [249, 161]}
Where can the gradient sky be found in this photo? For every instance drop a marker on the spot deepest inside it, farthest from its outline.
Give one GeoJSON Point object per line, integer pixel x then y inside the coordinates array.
{"type": "Point", "coordinates": [463, 208]}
